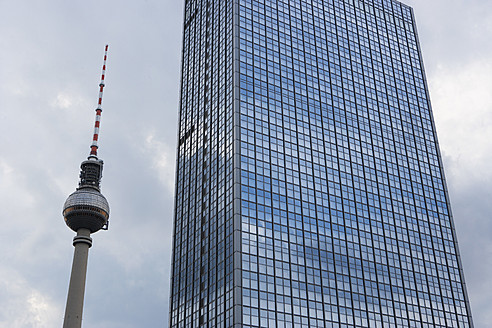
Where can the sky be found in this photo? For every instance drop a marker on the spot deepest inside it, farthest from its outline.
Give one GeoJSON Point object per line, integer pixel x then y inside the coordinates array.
{"type": "Point", "coordinates": [51, 58]}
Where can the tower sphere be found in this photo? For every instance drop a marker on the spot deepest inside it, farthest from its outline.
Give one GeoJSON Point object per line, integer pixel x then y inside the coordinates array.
{"type": "Point", "coordinates": [86, 208]}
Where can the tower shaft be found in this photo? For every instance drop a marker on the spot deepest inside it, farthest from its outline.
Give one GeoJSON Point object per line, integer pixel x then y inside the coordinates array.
{"type": "Point", "coordinates": [75, 300]}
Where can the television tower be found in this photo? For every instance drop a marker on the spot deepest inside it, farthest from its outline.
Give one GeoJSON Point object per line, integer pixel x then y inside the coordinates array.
{"type": "Point", "coordinates": [85, 211]}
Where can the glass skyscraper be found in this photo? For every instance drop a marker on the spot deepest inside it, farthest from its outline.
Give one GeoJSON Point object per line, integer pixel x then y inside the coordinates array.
{"type": "Point", "coordinates": [309, 190]}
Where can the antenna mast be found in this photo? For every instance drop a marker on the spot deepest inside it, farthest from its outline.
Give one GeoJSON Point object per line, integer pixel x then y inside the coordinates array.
{"type": "Point", "coordinates": [94, 145]}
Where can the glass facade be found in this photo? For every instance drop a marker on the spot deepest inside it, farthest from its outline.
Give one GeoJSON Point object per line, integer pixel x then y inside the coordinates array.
{"type": "Point", "coordinates": [202, 271]}
{"type": "Point", "coordinates": [310, 190]}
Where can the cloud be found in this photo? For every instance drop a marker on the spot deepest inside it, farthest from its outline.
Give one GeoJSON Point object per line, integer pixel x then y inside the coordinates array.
{"type": "Point", "coordinates": [26, 306]}
{"type": "Point", "coordinates": [163, 160]}
{"type": "Point", "coordinates": [453, 32]}
{"type": "Point", "coordinates": [462, 102]}
{"type": "Point", "coordinates": [457, 52]}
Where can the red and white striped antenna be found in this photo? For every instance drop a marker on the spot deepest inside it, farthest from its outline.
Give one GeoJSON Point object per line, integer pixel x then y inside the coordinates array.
{"type": "Point", "coordinates": [94, 145]}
